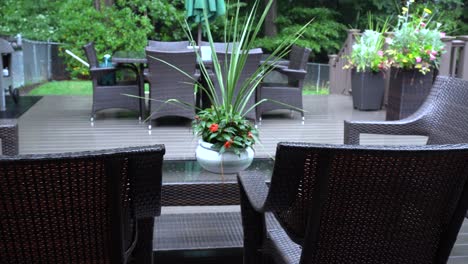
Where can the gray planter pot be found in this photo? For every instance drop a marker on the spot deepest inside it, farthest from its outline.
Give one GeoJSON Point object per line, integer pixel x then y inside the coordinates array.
{"type": "Point", "coordinates": [407, 91]}
{"type": "Point", "coordinates": [368, 90]}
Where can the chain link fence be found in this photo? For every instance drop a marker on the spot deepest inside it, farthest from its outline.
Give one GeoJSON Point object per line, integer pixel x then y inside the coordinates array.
{"type": "Point", "coordinates": [36, 62]}
{"type": "Point", "coordinates": [317, 77]}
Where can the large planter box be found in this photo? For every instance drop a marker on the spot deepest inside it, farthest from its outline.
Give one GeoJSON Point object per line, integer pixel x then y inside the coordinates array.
{"type": "Point", "coordinates": [368, 90]}
{"type": "Point", "coordinates": [407, 91]}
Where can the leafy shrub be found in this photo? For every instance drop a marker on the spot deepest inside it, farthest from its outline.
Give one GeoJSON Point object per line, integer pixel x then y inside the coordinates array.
{"type": "Point", "coordinates": [323, 35]}
{"type": "Point", "coordinates": [110, 29]}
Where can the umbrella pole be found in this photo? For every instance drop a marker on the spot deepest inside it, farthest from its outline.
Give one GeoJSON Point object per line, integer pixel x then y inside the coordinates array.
{"type": "Point", "coordinates": [199, 34]}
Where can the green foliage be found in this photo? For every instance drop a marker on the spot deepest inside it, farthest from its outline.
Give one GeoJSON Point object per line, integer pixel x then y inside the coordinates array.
{"type": "Point", "coordinates": [417, 41]}
{"type": "Point", "coordinates": [110, 29]}
{"type": "Point", "coordinates": [234, 134]}
{"type": "Point", "coordinates": [368, 52]}
{"type": "Point", "coordinates": [224, 124]}
{"type": "Point", "coordinates": [64, 88]}
{"type": "Point", "coordinates": [34, 21]}
{"type": "Point", "coordinates": [165, 16]}
{"type": "Point", "coordinates": [323, 35]}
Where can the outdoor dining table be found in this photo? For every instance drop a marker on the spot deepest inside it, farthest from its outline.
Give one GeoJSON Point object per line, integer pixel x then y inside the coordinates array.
{"type": "Point", "coordinates": [138, 60]}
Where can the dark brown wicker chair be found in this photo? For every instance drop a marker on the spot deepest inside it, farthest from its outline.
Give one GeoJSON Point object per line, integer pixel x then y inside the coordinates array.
{"type": "Point", "coordinates": [9, 137]}
{"type": "Point", "coordinates": [112, 95]}
{"type": "Point", "coordinates": [353, 204]}
{"type": "Point", "coordinates": [287, 93]}
{"type": "Point", "coordinates": [168, 45]}
{"type": "Point", "coordinates": [166, 82]}
{"type": "Point", "coordinates": [220, 46]}
{"type": "Point", "coordinates": [443, 117]}
{"type": "Point", "coordinates": [80, 207]}
{"type": "Point", "coordinates": [250, 67]}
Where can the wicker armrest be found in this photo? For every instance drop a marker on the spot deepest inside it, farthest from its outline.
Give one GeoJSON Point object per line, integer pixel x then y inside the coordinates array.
{"type": "Point", "coordinates": [255, 188]}
{"type": "Point", "coordinates": [352, 129]}
{"type": "Point", "coordinates": [102, 70]}
{"type": "Point", "coordinates": [293, 74]}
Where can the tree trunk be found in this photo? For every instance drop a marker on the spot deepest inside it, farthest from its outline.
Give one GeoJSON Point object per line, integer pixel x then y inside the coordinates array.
{"type": "Point", "coordinates": [270, 28]}
{"type": "Point", "coordinates": [97, 4]}
{"type": "Point", "coordinates": [109, 2]}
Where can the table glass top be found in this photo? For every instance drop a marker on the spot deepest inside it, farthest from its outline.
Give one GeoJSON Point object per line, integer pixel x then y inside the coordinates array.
{"type": "Point", "coordinates": [189, 171]}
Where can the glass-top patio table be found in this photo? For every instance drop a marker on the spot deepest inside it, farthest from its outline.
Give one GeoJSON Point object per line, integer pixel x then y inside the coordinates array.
{"type": "Point", "coordinates": [185, 183]}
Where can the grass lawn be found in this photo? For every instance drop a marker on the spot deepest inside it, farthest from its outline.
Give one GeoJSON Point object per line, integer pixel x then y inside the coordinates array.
{"type": "Point", "coordinates": [64, 88]}
{"type": "Point", "coordinates": [86, 88]}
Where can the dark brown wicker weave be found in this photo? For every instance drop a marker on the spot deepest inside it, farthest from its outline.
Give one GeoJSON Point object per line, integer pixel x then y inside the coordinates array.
{"type": "Point", "coordinates": [443, 117]}
{"type": "Point", "coordinates": [112, 96]}
{"type": "Point", "coordinates": [251, 65]}
{"type": "Point", "coordinates": [354, 204]}
{"type": "Point", "coordinates": [9, 136]}
{"type": "Point", "coordinates": [80, 207]}
{"type": "Point", "coordinates": [168, 45]}
{"type": "Point", "coordinates": [167, 82]}
{"type": "Point", "coordinates": [287, 93]}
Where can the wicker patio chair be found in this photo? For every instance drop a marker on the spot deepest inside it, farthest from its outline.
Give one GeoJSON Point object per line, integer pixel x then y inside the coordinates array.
{"type": "Point", "coordinates": [251, 65]}
{"type": "Point", "coordinates": [221, 46]}
{"type": "Point", "coordinates": [9, 137]}
{"type": "Point", "coordinates": [443, 117]}
{"type": "Point", "coordinates": [86, 207]}
{"type": "Point", "coordinates": [111, 95]}
{"type": "Point", "coordinates": [167, 82]}
{"type": "Point", "coordinates": [287, 93]}
{"type": "Point", "coordinates": [354, 204]}
{"type": "Point", "coordinates": [168, 45]}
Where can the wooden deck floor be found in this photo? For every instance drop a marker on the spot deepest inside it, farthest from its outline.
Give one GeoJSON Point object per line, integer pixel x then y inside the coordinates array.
{"type": "Point", "coordinates": [61, 124]}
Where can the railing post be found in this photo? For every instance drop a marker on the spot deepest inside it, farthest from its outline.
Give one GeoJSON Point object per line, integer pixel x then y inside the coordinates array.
{"type": "Point", "coordinates": [333, 73]}
{"type": "Point", "coordinates": [463, 63]}
{"type": "Point", "coordinates": [447, 57]}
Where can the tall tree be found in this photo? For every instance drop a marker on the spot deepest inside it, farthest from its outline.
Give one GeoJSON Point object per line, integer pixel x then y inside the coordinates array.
{"type": "Point", "coordinates": [270, 27]}
{"type": "Point", "coordinates": [97, 4]}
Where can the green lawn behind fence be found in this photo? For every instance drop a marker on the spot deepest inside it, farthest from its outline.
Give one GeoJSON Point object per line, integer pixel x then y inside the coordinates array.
{"type": "Point", "coordinates": [64, 88]}
{"type": "Point", "coordinates": [86, 88]}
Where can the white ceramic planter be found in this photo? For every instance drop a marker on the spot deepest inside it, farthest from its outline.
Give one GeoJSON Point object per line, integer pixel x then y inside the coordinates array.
{"type": "Point", "coordinates": [225, 163]}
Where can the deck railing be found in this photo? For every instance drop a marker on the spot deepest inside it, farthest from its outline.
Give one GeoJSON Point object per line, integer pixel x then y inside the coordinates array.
{"type": "Point", "coordinates": [454, 62]}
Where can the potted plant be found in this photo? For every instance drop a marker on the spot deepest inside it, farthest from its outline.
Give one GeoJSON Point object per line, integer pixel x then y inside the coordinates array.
{"type": "Point", "coordinates": [368, 63]}
{"type": "Point", "coordinates": [414, 51]}
{"type": "Point", "coordinates": [226, 136]}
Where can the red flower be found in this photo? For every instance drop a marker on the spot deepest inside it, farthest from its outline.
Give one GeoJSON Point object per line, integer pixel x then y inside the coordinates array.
{"type": "Point", "coordinates": [228, 144]}
{"type": "Point", "coordinates": [250, 135]}
{"type": "Point", "coordinates": [214, 128]}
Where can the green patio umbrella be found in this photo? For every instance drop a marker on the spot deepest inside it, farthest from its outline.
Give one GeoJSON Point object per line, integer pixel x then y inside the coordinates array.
{"type": "Point", "coordinates": [195, 14]}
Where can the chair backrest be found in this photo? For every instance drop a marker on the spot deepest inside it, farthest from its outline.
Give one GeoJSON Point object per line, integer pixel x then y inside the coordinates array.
{"type": "Point", "coordinates": [90, 52]}
{"type": "Point", "coordinates": [355, 204]}
{"type": "Point", "coordinates": [221, 46]}
{"type": "Point", "coordinates": [73, 207]}
{"type": "Point", "coordinates": [167, 82]}
{"type": "Point", "coordinates": [298, 57]}
{"type": "Point", "coordinates": [168, 45]}
{"type": "Point", "coordinates": [251, 65]}
{"type": "Point", "coordinates": [445, 110]}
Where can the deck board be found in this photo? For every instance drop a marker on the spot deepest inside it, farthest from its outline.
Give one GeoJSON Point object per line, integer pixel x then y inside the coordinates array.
{"type": "Point", "coordinates": [61, 124]}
